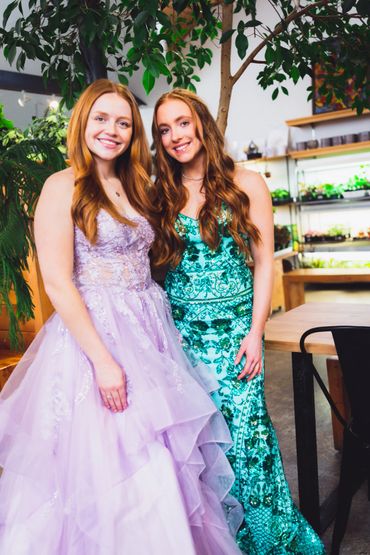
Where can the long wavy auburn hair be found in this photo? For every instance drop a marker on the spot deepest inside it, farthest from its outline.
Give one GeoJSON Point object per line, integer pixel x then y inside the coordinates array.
{"type": "Point", "coordinates": [133, 167]}
{"type": "Point", "coordinates": [219, 187]}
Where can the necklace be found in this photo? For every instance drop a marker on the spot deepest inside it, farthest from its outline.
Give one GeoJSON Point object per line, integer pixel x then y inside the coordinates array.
{"type": "Point", "coordinates": [192, 178]}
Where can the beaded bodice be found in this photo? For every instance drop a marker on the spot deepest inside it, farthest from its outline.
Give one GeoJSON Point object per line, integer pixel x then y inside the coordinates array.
{"type": "Point", "coordinates": [118, 258]}
{"type": "Point", "coordinates": [204, 274]}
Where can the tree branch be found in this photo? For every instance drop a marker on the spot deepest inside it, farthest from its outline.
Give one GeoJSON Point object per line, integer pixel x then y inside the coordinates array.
{"type": "Point", "coordinates": [226, 81]}
{"type": "Point", "coordinates": [295, 14]}
{"type": "Point", "coordinates": [276, 10]}
{"type": "Point", "coordinates": [227, 23]}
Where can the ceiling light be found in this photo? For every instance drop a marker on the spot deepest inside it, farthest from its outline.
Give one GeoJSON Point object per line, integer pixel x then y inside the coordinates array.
{"type": "Point", "coordinates": [23, 99]}
{"type": "Point", "coordinates": [53, 103]}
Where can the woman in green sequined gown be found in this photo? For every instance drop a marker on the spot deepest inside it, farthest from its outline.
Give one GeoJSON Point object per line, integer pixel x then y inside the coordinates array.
{"type": "Point", "coordinates": [211, 292]}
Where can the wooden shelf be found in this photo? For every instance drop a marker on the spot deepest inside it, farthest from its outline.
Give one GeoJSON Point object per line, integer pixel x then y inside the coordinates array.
{"type": "Point", "coordinates": [332, 201]}
{"type": "Point", "coordinates": [337, 246]}
{"type": "Point", "coordinates": [329, 150]}
{"type": "Point", "coordinates": [327, 116]}
{"type": "Point", "coordinates": [263, 159]}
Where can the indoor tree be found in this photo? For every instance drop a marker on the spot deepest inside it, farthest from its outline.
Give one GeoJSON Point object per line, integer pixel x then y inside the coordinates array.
{"type": "Point", "coordinates": [78, 42]}
{"type": "Point", "coordinates": [24, 166]}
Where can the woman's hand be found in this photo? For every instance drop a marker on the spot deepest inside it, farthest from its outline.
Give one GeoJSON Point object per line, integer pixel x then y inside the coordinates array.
{"type": "Point", "coordinates": [111, 381]}
{"type": "Point", "coordinates": [251, 347]}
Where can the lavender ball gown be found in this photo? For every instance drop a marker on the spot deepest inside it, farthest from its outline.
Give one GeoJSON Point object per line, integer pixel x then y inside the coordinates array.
{"type": "Point", "coordinates": [81, 480]}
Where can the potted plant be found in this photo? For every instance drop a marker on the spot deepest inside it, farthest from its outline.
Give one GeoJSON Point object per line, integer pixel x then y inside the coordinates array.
{"type": "Point", "coordinates": [327, 191]}
{"type": "Point", "coordinates": [280, 196]}
{"type": "Point", "coordinates": [282, 237]}
{"type": "Point", "coordinates": [307, 193]}
{"type": "Point", "coordinates": [24, 166]}
{"type": "Point", "coordinates": [52, 128]}
{"type": "Point", "coordinates": [336, 233]}
{"type": "Point", "coordinates": [356, 187]}
{"type": "Point", "coordinates": [314, 236]}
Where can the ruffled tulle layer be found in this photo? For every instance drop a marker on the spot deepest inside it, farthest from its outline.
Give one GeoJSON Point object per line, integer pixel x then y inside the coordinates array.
{"type": "Point", "coordinates": [81, 480]}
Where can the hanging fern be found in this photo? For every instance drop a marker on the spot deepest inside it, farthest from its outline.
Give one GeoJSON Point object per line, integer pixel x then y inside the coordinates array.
{"type": "Point", "coordinates": [23, 169]}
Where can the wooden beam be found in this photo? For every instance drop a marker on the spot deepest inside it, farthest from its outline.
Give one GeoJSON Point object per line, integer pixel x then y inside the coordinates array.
{"type": "Point", "coordinates": [15, 81]}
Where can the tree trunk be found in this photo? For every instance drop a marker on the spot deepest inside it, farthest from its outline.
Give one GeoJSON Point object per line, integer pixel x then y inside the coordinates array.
{"type": "Point", "coordinates": [93, 53]}
{"type": "Point", "coordinates": [95, 61]}
{"type": "Point", "coordinates": [226, 79]}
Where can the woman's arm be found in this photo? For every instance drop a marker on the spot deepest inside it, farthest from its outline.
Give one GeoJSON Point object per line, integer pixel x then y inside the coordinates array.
{"type": "Point", "coordinates": [261, 215]}
{"type": "Point", "coordinates": [54, 241]}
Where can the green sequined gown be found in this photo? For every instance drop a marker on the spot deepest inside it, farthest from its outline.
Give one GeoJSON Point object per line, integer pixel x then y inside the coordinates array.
{"type": "Point", "coordinates": [211, 294]}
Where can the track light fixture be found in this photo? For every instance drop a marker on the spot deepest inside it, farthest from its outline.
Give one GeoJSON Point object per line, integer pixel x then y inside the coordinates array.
{"type": "Point", "coordinates": [23, 99]}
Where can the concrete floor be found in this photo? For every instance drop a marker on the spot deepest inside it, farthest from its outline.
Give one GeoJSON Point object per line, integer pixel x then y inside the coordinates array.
{"type": "Point", "coordinates": [279, 398]}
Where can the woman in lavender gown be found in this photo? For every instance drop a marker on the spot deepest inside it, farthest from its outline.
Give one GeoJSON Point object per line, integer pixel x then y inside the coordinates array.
{"type": "Point", "coordinates": [108, 443]}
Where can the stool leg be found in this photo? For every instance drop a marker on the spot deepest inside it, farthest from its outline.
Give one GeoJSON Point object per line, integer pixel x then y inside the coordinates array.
{"type": "Point", "coordinates": [338, 394]}
{"type": "Point", "coordinates": [351, 477]}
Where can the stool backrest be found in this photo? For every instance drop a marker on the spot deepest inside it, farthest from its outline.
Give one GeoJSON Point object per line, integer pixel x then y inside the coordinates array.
{"type": "Point", "coordinates": [353, 349]}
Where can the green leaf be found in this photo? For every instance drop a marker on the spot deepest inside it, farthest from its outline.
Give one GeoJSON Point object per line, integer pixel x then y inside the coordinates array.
{"type": "Point", "coordinates": [122, 79]}
{"type": "Point", "coordinates": [275, 93]}
{"type": "Point", "coordinates": [253, 23]}
{"type": "Point", "coordinates": [21, 61]}
{"type": "Point", "coordinates": [241, 43]}
{"type": "Point", "coordinates": [163, 19]}
{"type": "Point", "coordinates": [12, 52]}
{"type": "Point", "coordinates": [363, 7]}
{"type": "Point", "coordinates": [151, 6]}
{"type": "Point", "coordinates": [285, 90]}
{"type": "Point", "coordinates": [148, 81]}
{"type": "Point", "coordinates": [226, 35]}
{"type": "Point", "coordinates": [169, 57]}
{"type": "Point", "coordinates": [133, 55]}
{"type": "Point", "coordinates": [269, 55]}
{"type": "Point", "coordinates": [141, 19]}
{"type": "Point", "coordinates": [295, 74]}
{"type": "Point", "coordinates": [180, 5]}
{"type": "Point", "coordinates": [7, 12]}
{"type": "Point", "coordinates": [347, 5]}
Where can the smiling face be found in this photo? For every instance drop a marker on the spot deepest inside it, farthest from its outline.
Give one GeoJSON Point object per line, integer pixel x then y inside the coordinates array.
{"type": "Point", "coordinates": [108, 131]}
{"type": "Point", "coordinates": [178, 131]}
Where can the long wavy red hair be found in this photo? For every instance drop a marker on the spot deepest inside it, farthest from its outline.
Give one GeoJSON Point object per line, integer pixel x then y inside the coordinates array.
{"type": "Point", "coordinates": [133, 167]}
{"type": "Point", "coordinates": [219, 186]}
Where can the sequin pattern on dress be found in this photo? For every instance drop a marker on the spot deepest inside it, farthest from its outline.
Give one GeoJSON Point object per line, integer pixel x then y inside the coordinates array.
{"type": "Point", "coordinates": [211, 294]}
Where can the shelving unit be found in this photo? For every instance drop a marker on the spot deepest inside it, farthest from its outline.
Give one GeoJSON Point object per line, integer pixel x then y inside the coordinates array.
{"type": "Point", "coordinates": [339, 246]}
{"type": "Point", "coordinates": [325, 117]}
{"type": "Point", "coordinates": [330, 150]}
{"type": "Point", "coordinates": [332, 164]}
{"type": "Point", "coordinates": [350, 213]}
{"type": "Point", "coordinates": [263, 159]}
{"type": "Point", "coordinates": [333, 204]}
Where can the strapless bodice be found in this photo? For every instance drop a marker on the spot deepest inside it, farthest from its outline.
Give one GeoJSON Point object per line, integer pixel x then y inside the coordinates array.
{"type": "Point", "coordinates": [118, 258]}
{"type": "Point", "coordinates": [204, 275]}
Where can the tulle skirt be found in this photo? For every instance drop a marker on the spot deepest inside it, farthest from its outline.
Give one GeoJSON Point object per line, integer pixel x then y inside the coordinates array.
{"type": "Point", "coordinates": [79, 479]}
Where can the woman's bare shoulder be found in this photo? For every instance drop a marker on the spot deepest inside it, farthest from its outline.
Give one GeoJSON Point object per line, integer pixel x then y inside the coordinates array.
{"type": "Point", "coordinates": [62, 181]}
{"type": "Point", "coordinates": [251, 182]}
{"type": "Point", "coordinates": [58, 190]}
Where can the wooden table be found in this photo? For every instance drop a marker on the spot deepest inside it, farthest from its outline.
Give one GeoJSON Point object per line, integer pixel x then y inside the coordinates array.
{"type": "Point", "coordinates": [293, 282]}
{"type": "Point", "coordinates": [283, 333]}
